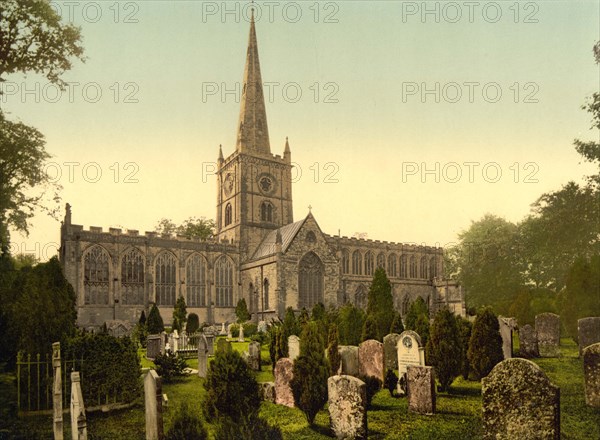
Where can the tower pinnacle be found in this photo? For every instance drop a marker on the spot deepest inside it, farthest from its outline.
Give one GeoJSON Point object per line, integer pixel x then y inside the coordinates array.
{"type": "Point", "coordinates": [253, 133]}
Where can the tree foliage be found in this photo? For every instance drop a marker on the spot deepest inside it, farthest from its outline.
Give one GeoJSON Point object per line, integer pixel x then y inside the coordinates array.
{"type": "Point", "coordinates": [241, 311]}
{"type": "Point", "coordinates": [397, 325]}
{"type": "Point", "coordinates": [193, 323]}
{"type": "Point", "coordinates": [155, 322]}
{"type": "Point", "coordinates": [444, 347]}
{"type": "Point", "coordinates": [333, 353]}
{"type": "Point", "coordinates": [350, 324]}
{"type": "Point", "coordinates": [417, 319]}
{"type": "Point", "coordinates": [187, 425]}
{"type": "Point", "coordinates": [193, 227]}
{"type": "Point", "coordinates": [380, 305]}
{"type": "Point", "coordinates": [485, 345]}
{"type": "Point", "coordinates": [179, 314]}
{"type": "Point", "coordinates": [369, 330]}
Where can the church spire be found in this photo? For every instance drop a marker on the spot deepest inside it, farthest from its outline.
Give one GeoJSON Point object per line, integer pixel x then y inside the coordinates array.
{"type": "Point", "coordinates": [253, 134]}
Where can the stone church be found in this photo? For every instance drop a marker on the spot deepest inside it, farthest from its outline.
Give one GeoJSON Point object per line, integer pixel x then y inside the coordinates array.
{"type": "Point", "coordinates": [258, 253]}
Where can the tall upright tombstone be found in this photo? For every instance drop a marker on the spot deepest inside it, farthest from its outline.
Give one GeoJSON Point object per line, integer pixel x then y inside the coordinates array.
{"type": "Point", "coordinates": [284, 372]}
{"type": "Point", "coordinates": [78, 419]}
{"type": "Point", "coordinates": [202, 356]}
{"type": "Point", "coordinates": [370, 359]}
{"type": "Point", "coordinates": [528, 344]}
{"type": "Point", "coordinates": [347, 402]}
{"type": "Point", "coordinates": [547, 326]}
{"type": "Point", "coordinates": [153, 403]}
{"type": "Point", "coordinates": [588, 332]}
{"type": "Point", "coordinates": [348, 360]}
{"type": "Point", "coordinates": [241, 333]}
{"type": "Point", "coordinates": [591, 373]}
{"type": "Point", "coordinates": [410, 352]}
{"type": "Point", "coordinates": [390, 350]}
{"type": "Point", "coordinates": [57, 392]}
{"type": "Point", "coordinates": [519, 402]}
{"type": "Point", "coordinates": [506, 328]}
{"type": "Point", "coordinates": [210, 344]}
{"type": "Point", "coordinates": [293, 347]}
{"type": "Point", "coordinates": [254, 355]}
{"type": "Point", "coordinates": [420, 385]}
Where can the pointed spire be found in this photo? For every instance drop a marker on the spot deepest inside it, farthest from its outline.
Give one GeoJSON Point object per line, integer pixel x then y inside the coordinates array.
{"type": "Point", "coordinates": [287, 153]}
{"type": "Point", "coordinates": [221, 159]}
{"type": "Point", "coordinates": [253, 133]}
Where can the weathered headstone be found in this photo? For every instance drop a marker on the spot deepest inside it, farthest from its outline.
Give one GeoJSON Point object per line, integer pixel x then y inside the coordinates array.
{"type": "Point", "coordinates": [153, 400]}
{"type": "Point", "coordinates": [78, 419]}
{"type": "Point", "coordinates": [390, 350]}
{"type": "Point", "coordinates": [520, 402]}
{"type": "Point", "coordinates": [591, 372]}
{"type": "Point", "coordinates": [547, 326]}
{"type": "Point", "coordinates": [262, 327]}
{"type": "Point", "coordinates": [223, 345]}
{"type": "Point", "coordinates": [210, 344]}
{"type": "Point", "coordinates": [506, 328]}
{"type": "Point", "coordinates": [588, 330]}
{"type": "Point", "coordinates": [410, 352]}
{"type": "Point", "coordinates": [223, 330]}
{"type": "Point", "coordinates": [370, 359]}
{"type": "Point", "coordinates": [57, 392]}
{"type": "Point", "coordinates": [349, 360]}
{"type": "Point", "coordinates": [528, 345]}
{"type": "Point", "coordinates": [347, 398]}
{"type": "Point", "coordinates": [154, 346]}
{"type": "Point", "coordinates": [420, 386]}
{"type": "Point", "coordinates": [283, 375]}
{"type": "Point", "coordinates": [254, 355]}
{"type": "Point", "coordinates": [293, 347]}
{"type": "Point", "coordinates": [267, 391]}
{"type": "Point", "coordinates": [241, 334]}
{"type": "Point", "coordinates": [230, 331]}
{"type": "Point", "coordinates": [174, 341]}
{"type": "Point", "coordinates": [202, 356]}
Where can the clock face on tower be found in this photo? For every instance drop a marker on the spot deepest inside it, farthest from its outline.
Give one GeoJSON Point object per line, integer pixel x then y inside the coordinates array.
{"type": "Point", "coordinates": [228, 184]}
{"type": "Point", "coordinates": [266, 183]}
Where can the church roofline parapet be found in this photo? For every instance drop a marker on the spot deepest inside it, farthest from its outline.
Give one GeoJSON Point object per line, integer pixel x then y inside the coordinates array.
{"type": "Point", "coordinates": [409, 247]}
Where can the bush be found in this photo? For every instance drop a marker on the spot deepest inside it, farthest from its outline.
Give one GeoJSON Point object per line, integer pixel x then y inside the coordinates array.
{"type": "Point", "coordinates": [464, 330]}
{"type": "Point", "coordinates": [373, 386]}
{"type": "Point", "coordinates": [155, 322]}
{"type": "Point", "coordinates": [169, 365]}
{"type": "Point", "coordinates": [397, 326]}
{"type": "Point", "coordinates": [391, 381]}
{"type": "Point", "coordinates": [380, 306]}
{"type": "Point", "coordinates": [350, 324]}
{"type": "Point", "coordinates": [193, 324]}
{"type": "Point", "coordinates": [332, 349]}
{"type": "Point", "coordinates": [369, 330]}
{"type": "Point", "coordinates": [179, 314]}
{"type": "Point", "coordinates": [485, 345]}
{"type": "Point", "coordinates": [290, 324]}
{"type": "Point", "coordinates": [241, 311]}
{"type": "Point", "coordinates": [250, 329]}
{"type": "Point", "coordinates": [186, 426]}
{"type": "Point", "coordinates": [444, 348]}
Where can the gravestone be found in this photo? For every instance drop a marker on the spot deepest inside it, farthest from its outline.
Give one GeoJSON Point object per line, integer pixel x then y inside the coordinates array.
{"type": "Point", "coordinates": [519, 402]}
{"type": "Point", "coordinates": [223, 345]}
{"type": "Point", "coordinates": [78, 419]}
{"type": "Point", "coordinates": [154, 346]}
{"type": "Point", "coordinates": [390, 351]}
{"type": "Point", "coordinates": [254, 356]}
{"type": "Point", "coordinates": [174, 341]}
{"type": "Point", "coordinates": [349, 360]}
{"type": "Point", "coordinates": [293, 347]}
{"type": "Point", "coordinates": [210, 344]}
{"type": "Point", "coordinates": [547, 326]}
{"type": "Point", "coordinates": [267, 391]}
{"type": "Point", "coordinates": [202, 356]}
{"type": "Point", "coordinates": [410, 352]}
{"type": "Point", "coordinates": [420, 386]}
{"type": "Point", "coordinates": [528, 345]}
{"type": "Point", "coordinates": [370, 359]}
{"type": "Point", "coordinates": [347, 402]}
{"type": "Point", "coordinates": [241, 334]}
{"type": "Point", "coordinates": [506, 328]}
{"type": "Point", "coordinates": [588, 331]}
{"type": "Point", "coordinates": [283, 375]}
{"type": "Point", "coordinates": [223, 330]}
{"type": "Point", "coordinates": [591, 372]}
{"type": "Point", "coordinates": [262, 327]}
{"type": "Point", "coordinates": [57, 392]}
{"type": "Point", "coordinates": [153, 401]}
{"type": "Point", "coordinates": [230, 331]}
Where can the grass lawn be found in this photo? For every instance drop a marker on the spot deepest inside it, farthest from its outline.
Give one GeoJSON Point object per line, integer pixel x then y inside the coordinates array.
{"type": "Point", "coordinates": [458, 412]}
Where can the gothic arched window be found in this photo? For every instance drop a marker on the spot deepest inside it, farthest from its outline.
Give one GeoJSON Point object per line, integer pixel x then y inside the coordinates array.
{"type": "Point", "coordinates": [369, 263]}
{"type": "Point", "coordinates": [381, 260]}
{"type": "Point", "coordinates": [345, 261]}
{"type": "Point", "coordinates": [403, 267]}
{"type": "Point", "coordinates": [224, 282]}
{"type": "Point", "coordinates": [132, 277]}
{"type": "Point", "coordinates": [310, 280]}
{"type": "Point", "coordinates": [432, 268]}
{"type": "Point", "coordinates": [356, 263]}
{"type": "Point", "coordinates": [95, 276]}
{"type": "Point", "coordinates": [228, 217]}
{"type": "Point", "coordinates": [424, 268]}
{"type": "Point", "coordinates": [266, 212]}
{"type": "Point", "coordinates": [195, 281]}
{"type": "Point", "coordinates": [360, 297]}
{"type": "Point", "coordinates": [392, 265]}
{"type": "Point", "coordinates": [413, 266]}
{"type": "Point", "coordinates": [165, 270]}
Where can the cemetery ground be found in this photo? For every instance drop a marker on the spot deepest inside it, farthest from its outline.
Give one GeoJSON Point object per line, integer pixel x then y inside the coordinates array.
{"type": "Point", "coordinates": [458, 411]}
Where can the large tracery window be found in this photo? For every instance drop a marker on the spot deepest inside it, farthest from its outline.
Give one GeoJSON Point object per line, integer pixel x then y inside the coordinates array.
{"type": "Point", "coordinates": [266, 212]}
{"type": "Point", "coordinates": [95, 276]}
{"type": "Point", "coordinates": [424, 268]}
{"type": "Point", "coordinates": [392, 265]}
{"type": "Point", "coordinates": [369, 263]}
{"type": "Point", "coordinates": [310, 280]}
{"type": "Point", "coordinates": [345, 261]}
{"type": "Point", "coordinates": [381, 261]}
{"type": "Point", "coordinates": [224, 282]}
{"type": "Point", "coordinates": [195, 281]}
{"type": "Point", "coordinates": [165, 270]}
{"type": "Point", "coordinates": [403, 267]}
{"type": "Point", "coordinates": [356, 263]}
{"type": "Point", "coordinates": [132, 278]}
{"type": "Point", "coordinates": [432, 268]}
{"type": "Point", "coordinates": [360, 297]}
{"type": "Point", "coordinates": [413, 266]}
{"type": "Point", "coordinates": [228, 214]}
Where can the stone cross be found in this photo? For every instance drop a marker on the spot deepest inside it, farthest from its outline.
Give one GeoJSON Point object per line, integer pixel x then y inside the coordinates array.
{"type": "Point", "coordinates": [57, 392]}
{"type": "Point", "coordinates": [78, 419]}
{"type": "Point", "coordinates": [153, 402]}
{"type": "Point", "coordinates": [347, 402]}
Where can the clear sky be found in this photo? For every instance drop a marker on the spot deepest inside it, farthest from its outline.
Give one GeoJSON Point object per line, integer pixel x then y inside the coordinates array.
{"type": "Point", "coordinates": [406, 120]}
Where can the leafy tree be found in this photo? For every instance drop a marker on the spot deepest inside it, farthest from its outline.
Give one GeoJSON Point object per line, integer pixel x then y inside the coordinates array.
{"type": "Point", "coordinates": [444, 348]}
{"type": "Point", "coordinates": [311, 371]}
{"type": "Point", "coordinates": [464, 331]}
{"type": "Point", "coordinates": [485, 345]}
{"type": "Point", "coordinates": [193, 227]}
{"type": "Point", "coordinates": [520, 308]}
{"type": "Point", "coordinates": [241, 311]}
{"type": "Point", "coordinates": [350, 324]}
{"type": "Point", "coordinates": [179, 314]}
{"type": "Point", "coordinates": [155, 322]}
{"type": "Point", "coordinates": [22, 260]}
{"type": "Point", "coordinates": [187, 425]}
{"type": "Point", "coordinates": [397, 326]}
{"type": "Point", "coordinates": [332, 349]}
{"type": "Point", "coordinates": [369, 330]}
{"type": "Point", "coordinates": [417, 307]}
{"type": "Point", "coordinates": [380, 304]}
{"type": "Point", "coordinates": [193, 323]}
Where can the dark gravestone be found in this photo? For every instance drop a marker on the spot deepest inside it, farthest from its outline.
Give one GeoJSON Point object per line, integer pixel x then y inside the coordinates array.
{"type": "Point", "coordinates": [528, 344]}
{"type": "Point", "coordinates": [390, 351]}
{"type": "Point", "coordinates": [591, 372]}
{"type": "Point", "coordinates": [349, 359]}
{"type": "Point", "coordinates": [588, 330]}
{"type": "Point", "coordinates": [547, 326]}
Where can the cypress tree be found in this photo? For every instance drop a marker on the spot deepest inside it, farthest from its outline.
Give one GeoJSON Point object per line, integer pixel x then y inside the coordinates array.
{"type": "Point", "coordinates": [241, 311]}
{"type": "Point", "coordinates": [332, 349]}
{"type": "Point", "coordinates": [464, 329]}
{"type": "Point", "coordinates": [369, 330]}
{"type": "Point", "coordinates": [485, 344]}
{"type": "Point", "coordinates": [179, 314]}
{"type": "Point", "coordinates": [380, 305]}
{"type": "Point", "coordinates": [444, 348]}
{"type": "Point", "coordinates": [155, 323]}
{"type": "Point", "coordinates": [397, 326]}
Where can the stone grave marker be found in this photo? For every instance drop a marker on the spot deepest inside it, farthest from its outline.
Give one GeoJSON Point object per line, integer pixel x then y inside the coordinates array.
{"type": "Point", "coordinates": [154, 346]}
{"type": "Point", "coordinates": [370, 359]}
{"type": "Point", "coordinates": [591, 373]}
{"type": "Point", "coordinates": [210, 344]}
{"type": "Point", "coordinates": [267, 391]}
{"type": "Point", "coordinates": [283, 375]}
{"type": "Point", "coordinates": [519, 402]}
{"type": "Point", "coordinates": [78, 419]}
{"type": "Point", "coordinates": [528, 345]}
{"type": "Point", "coordinates": [547, 326]}
{"type": "Point", "coordinates": [293, 347]}
{"type": "Point", "coordinates": [57, 392]}
{"type": "Point", "coordinates": [223, 345]}
{"type": "Point", "coordinates": [153, 402]}
{"type": "Point", "coordinates": [506, 328]}
{"type": "Point", "coordinates": [420, 386]}
{"type": "Point", "coordinates": [254, 355]}
{"type": "Point", "coordinates": [390, 350]}
{"type": "Point", "coordinates": [202, 356]}
{"type": "Point", "coordinates": [230, 331]}
{"type": "Point", "coordinates": [349, 360]}
{"type": "Point", "coordinates": [241, 334]}
{"type": "Point", "coordinates": [410, 352]}
{"type": "Point", "coordinates": [347, 399]}
{"type": "Point", "coordinates": [223, 330]}
{"type": "Point", "coordinates": [262, 327]}
{"type": "Point", "coordinates": [588, 330]}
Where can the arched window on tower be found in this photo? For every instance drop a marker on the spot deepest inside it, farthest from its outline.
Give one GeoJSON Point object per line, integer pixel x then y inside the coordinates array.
{"type": "Point", "coordinates": [424, 268]}
{"type": "Point", "coordinates": [432, 268]}
{"type": "Point", "coordinates": [95, 276]}
{"type": "Point", "coordinates": [310, 281]}
{"type": "Point", "coordinates": [228, 217]}
{"type": "Point", "coordinates": [356, 263]}
{"type": "Point", "coordinates": [369, 263]}
{"type": "Point", "coordinates": [381, 260]}
{"type": "Point", "coordinates": [266, 212]}
{"type": "Point", "coordinates": [360, 297]}
{"type": "Point", "coordinates": [195, 281]}
{"type": "Point", "coordinates": [132, 278]}
{"type": "Point", "coordinates": [224, 282]}
{"type": "Point", "coordinates": [413, 266]}
{"type": "Point", "coordinates": [165, 270]}
{"type": "Point", "coordinates": [403, 267]}
{"type": "Point", "coordinates": [392, 265]}
{"type": "Point", "coordinates": [345, 261]}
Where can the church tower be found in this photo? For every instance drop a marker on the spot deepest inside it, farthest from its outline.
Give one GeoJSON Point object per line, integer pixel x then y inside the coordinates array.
{"type": "Point", "coordinates": [254, 186]}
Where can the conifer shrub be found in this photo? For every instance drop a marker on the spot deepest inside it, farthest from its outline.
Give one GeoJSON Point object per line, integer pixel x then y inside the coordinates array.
{"type": "Point", "coordinates": [179, 314]}
{"type": "Point", "coordinates": [397, 326]}
{"type": "Point", "coordinates": [369, 330]}
{"type": "Point", "coordinates": [333, 353]}
{"type": "Point", "coordinates": [154, 322]}
{"type": "Point", "coordinates": [169, 365]}
{"type": "Point", "coordinates": [241, 311]}
{"type": "Point", "coordinates": [464, 329]}
{"type": "Point", "coordinates": [485, 344]}
{"type": "Point", "coordinates": [193, 323]}
{"type": "Point", "coordinates": [443, 348]}
{"type": "Point", "coordinates": [373, 386]}
{"type": "Point", "coordinates": [380, 304]}
{"type": "Point", "coordinates": [187, 425]}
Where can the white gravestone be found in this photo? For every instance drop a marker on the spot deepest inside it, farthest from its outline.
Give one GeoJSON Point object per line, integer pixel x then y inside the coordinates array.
{"type": "Point", "coordinates": [410, 352]}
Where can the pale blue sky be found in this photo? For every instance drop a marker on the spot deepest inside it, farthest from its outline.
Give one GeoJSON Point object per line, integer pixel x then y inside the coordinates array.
{"type": "Point", "coordinates": [368, 58]}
